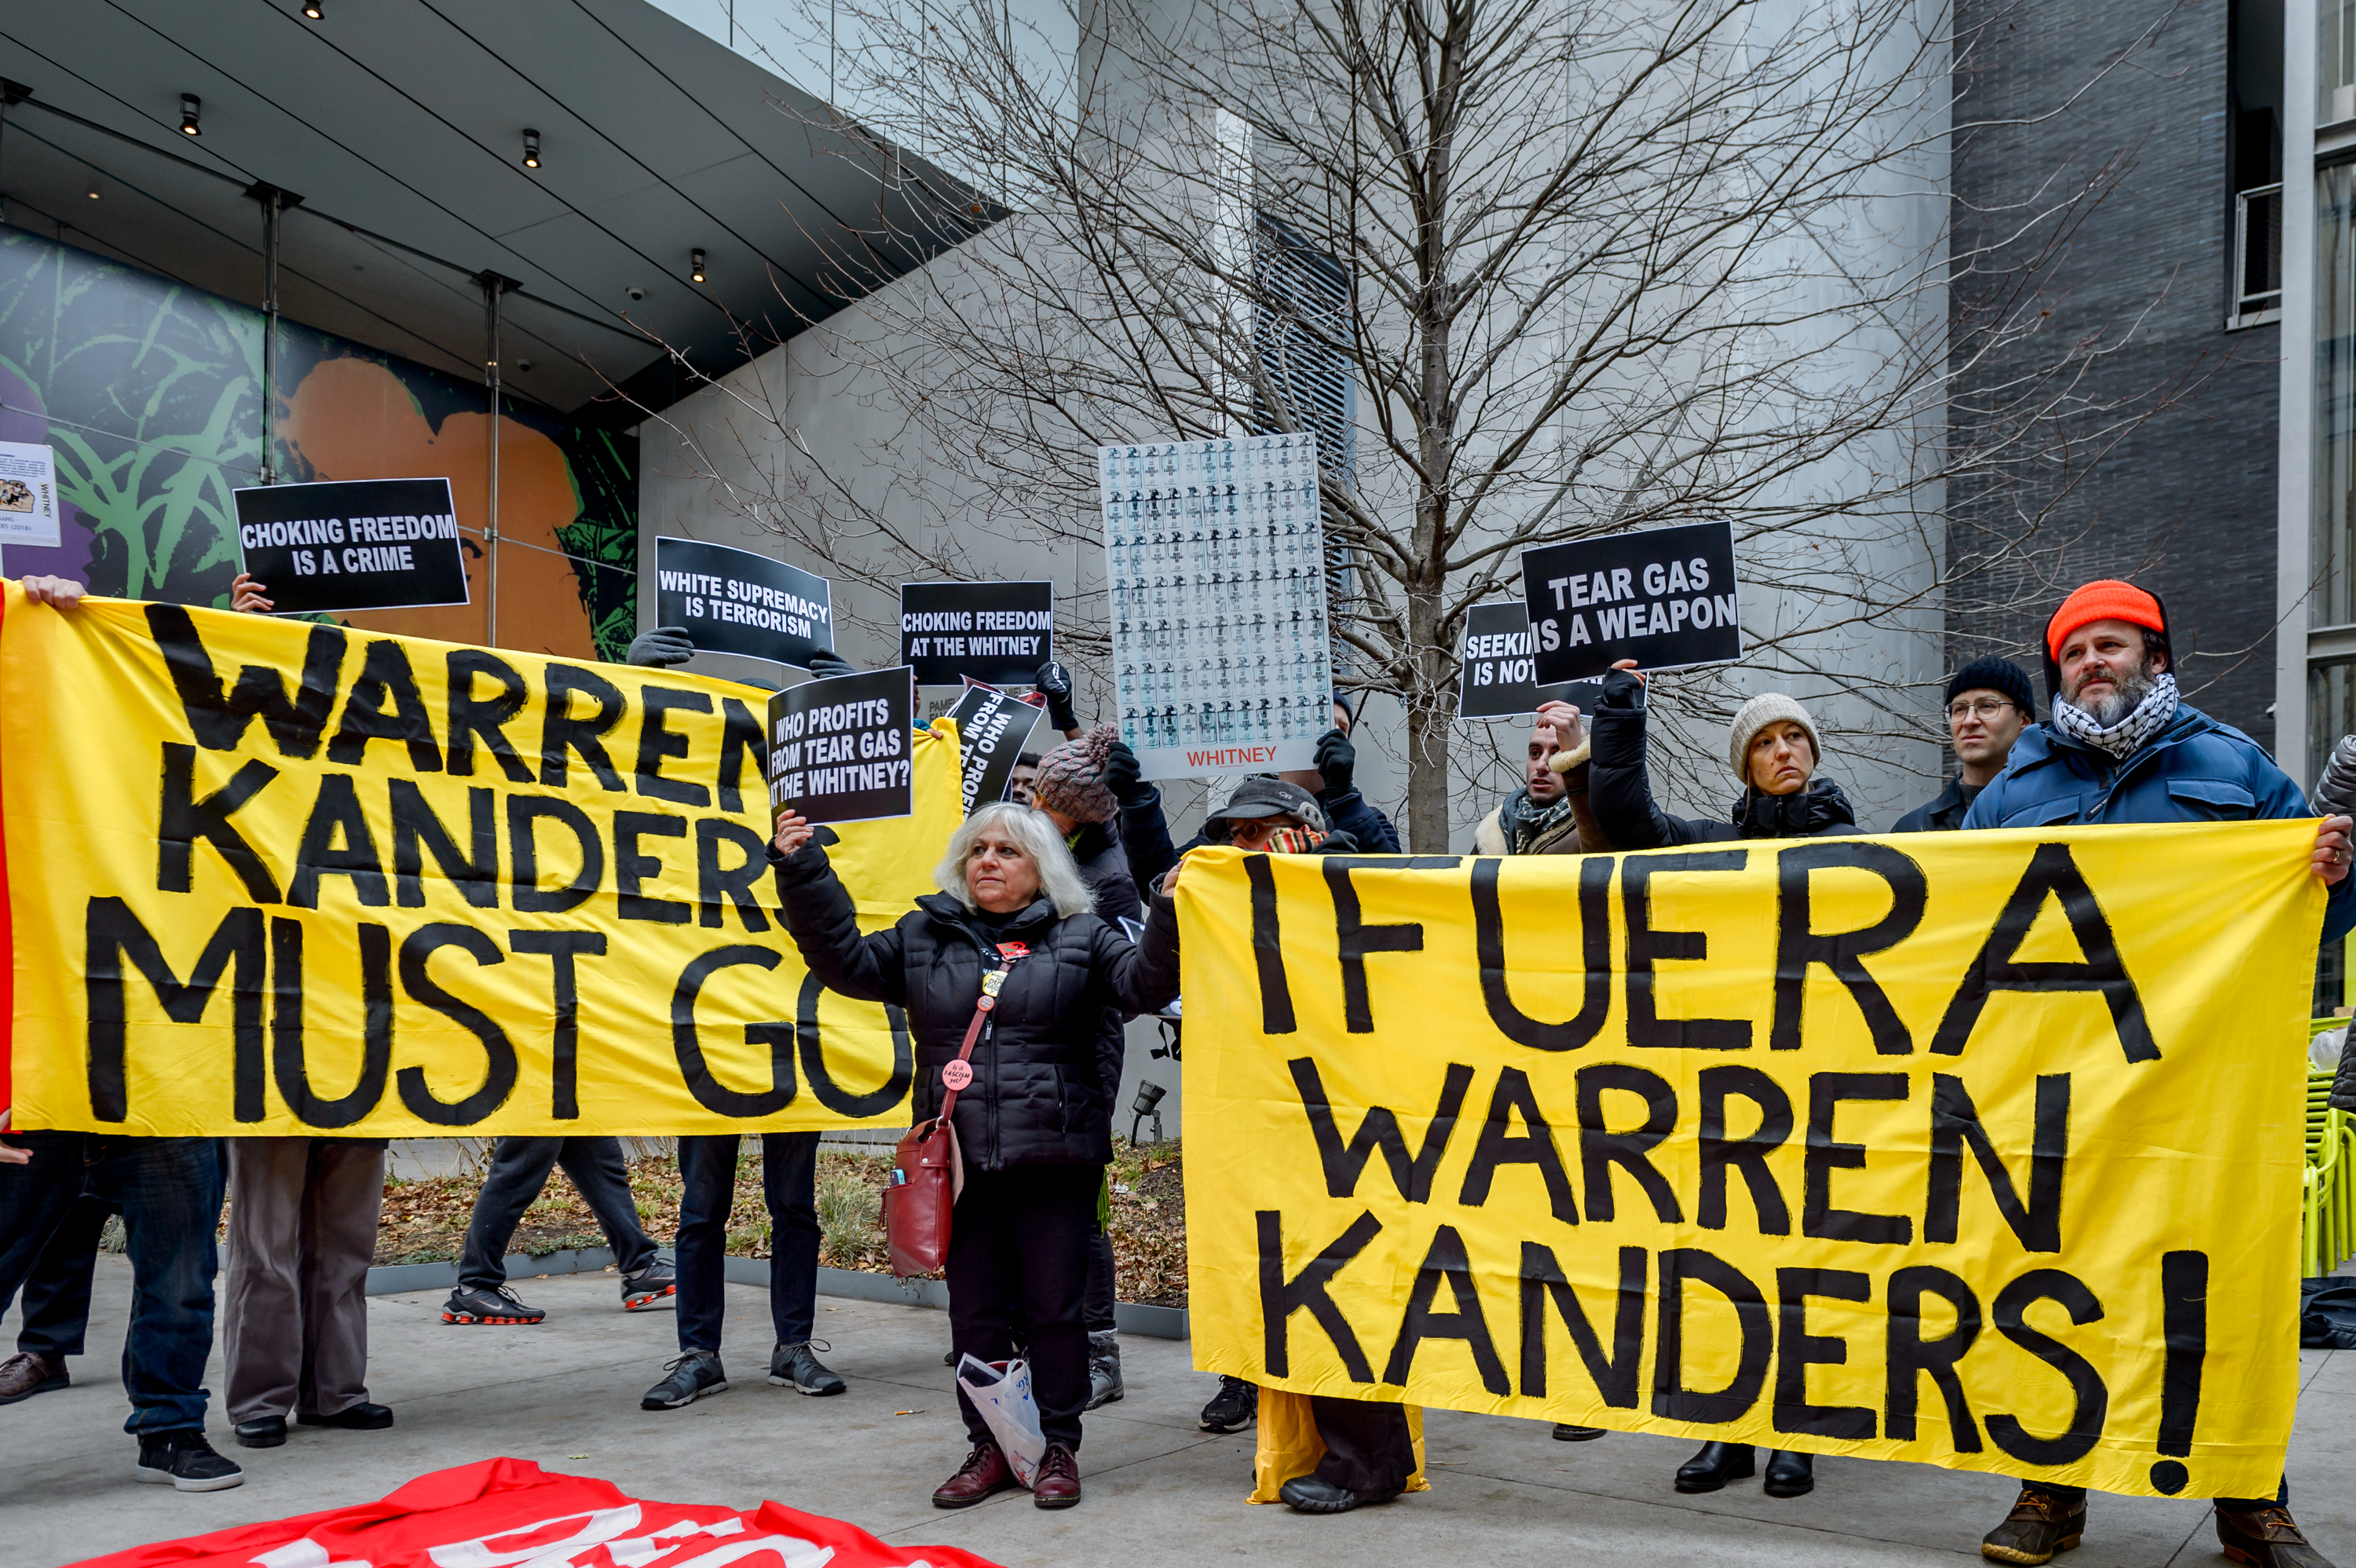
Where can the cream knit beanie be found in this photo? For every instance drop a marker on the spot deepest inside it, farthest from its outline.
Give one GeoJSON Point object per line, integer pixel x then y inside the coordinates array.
{"type": "Point", "coordinates": [1755, 715]}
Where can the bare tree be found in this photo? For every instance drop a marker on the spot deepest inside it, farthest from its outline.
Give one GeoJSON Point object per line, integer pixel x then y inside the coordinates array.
{"type": "Point", "coordinates": [1580, 267]}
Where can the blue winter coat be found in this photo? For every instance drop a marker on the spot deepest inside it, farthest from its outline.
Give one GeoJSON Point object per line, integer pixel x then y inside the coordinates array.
{"type": "Point", "coordinates": [2197, 771]}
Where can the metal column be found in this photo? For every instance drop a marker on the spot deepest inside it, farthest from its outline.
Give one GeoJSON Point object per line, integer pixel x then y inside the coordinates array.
{"type": "Point", "coordinates": [495, 288]}
{"type": "Point", "coordinates": [274, 202]}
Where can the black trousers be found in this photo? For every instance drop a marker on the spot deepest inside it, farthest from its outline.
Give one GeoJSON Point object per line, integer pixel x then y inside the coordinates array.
{"type": "Point", "coordinates": [520, 1168]}
{"type": "Point", "coordinates": [1368, 1445]}
{"type": "Point", "coordinates": [56, 1300]}
{"type": "Point", "coordinates": [1018, 1248]}
{"type": "Point", "coordinates": [1099, 1312]}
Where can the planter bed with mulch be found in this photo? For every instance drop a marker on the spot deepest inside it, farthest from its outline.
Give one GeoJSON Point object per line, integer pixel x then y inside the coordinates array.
{"type": "Point", "coordinates": [425, 1220]}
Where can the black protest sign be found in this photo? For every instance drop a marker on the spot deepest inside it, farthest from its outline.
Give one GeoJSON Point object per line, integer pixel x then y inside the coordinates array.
{"type": "Point", "coordinates": [1663, 597]}
{"type": "Point", "coordinates": [839, 749]}
{"type": "Point", "coordinates": [1498, 680]}
{"type": "Point", "coordinates": [990, 632]}
{"type": "Point", "coordinates": [355, 544]}
{"type": "Point", "coordinates": [735, 602]}
{"type": "Point", "coordinates": [991, 727]}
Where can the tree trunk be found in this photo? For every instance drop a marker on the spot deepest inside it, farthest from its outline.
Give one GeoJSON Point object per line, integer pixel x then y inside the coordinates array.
{"type": "Point", "coordinates": [1430, 724]}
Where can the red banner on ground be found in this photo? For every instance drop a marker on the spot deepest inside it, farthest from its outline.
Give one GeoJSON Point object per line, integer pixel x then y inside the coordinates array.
{"type": "Point", "coordinates": [510, 1513]}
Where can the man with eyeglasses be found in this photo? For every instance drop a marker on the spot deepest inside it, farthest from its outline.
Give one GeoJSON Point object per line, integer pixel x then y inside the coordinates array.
{"type": "Point", "coordinates": [1988, 705]}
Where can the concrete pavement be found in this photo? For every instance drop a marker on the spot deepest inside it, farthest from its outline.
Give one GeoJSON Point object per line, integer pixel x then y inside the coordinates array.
{"type": "Point", "coordinates": [1159, 1491]}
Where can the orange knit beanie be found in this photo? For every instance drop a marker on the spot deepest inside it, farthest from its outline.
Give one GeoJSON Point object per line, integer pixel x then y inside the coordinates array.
{"type": "Point", "coordinates": [2105, 599]}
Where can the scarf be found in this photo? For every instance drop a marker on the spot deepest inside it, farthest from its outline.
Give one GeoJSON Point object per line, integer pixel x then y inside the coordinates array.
{"type": "Point", "coordinates": [2130, 734]}
{"type": "Point", "coordinates": [1523, 827]}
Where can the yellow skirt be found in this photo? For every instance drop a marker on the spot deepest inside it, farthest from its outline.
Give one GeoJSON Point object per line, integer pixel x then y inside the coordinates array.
{"type": "Point", "coordinates": [1289, 1447]}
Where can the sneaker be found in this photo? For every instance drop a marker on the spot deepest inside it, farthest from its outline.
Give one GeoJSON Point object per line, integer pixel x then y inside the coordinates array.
{"type": "Point", "coordinates": [500, 1306]}
{"type": "Point", "coordinates": [692, 1376]}
{"type": "Point", "coordinates": [798, 1367]}
{"type": "Point", "coordinates": [1103, 1370]}
{"type": "Point", "coordinates": [650, 1287]}
{"type": "Point", "coordinates": [29, 1372]}
{"type": "Point", "coordinates": [184, 1461]}
{"type": "Point", "coordinates": [1235, 1405]}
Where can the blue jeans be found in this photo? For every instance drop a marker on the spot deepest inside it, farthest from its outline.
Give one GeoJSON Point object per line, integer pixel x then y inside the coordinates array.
{"type": "Point", "coordinates": [707, 1169]}
{"type": "Point", "coordinates": [168, 1191]}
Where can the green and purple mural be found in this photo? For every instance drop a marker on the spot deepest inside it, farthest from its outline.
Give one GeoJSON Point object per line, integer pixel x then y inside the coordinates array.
{"type": "Point", "coordinates": [149, 392]}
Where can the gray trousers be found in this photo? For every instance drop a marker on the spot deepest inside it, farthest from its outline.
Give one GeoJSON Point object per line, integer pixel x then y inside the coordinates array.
{"type": "Point", "coordinates": [301, 1231]}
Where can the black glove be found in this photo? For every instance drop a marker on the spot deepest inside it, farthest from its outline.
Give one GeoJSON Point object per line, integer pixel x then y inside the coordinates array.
{"type": "Point", "coordinates": [1121, 775]}
{"type": "Point", "coordinates": [1621, 689]}
{"type": "Point", "coordinates": [660, 648]}
{"type": "Point", "coordinates": [1337, 761]}
{"type": "Point", "coordinates": [1054, 682]}
{"type": "Point", "coordinates": [826, 664]}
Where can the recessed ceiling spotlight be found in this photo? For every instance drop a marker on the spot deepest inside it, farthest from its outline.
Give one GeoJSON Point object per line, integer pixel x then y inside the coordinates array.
{"type": "Point", "coordinates": [93, 190]}
{"type": "Point", "coordinates": [311, 9]}
{"type": "Point", "coordinates": [635, 291]}
{"type": "Point", "coordinates": [524, 365]}
{"type": "Point", "coordinates": [531, 149]}
{"type": "Point", "coordinates": [695, 271]}
{"type": "Point", "coordinates": [192, 109]}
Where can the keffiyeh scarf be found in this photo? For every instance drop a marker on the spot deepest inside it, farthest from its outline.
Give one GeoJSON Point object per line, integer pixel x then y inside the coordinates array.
{"type": "Point", "coordinates": [2131, 733]}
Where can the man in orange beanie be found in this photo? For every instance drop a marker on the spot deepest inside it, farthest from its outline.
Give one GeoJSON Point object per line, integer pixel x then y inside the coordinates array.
{"type": "Point", "coordinates": [2123, 747]}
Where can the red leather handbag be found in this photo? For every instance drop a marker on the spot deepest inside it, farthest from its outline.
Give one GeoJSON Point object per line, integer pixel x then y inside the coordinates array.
{"type": "Point", "coordinates": [927, 1175]}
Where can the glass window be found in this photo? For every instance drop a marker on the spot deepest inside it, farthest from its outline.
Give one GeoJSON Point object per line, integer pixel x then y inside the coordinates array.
{"type": "Point", "coordinates": [2334, 555]}
{"type": "Point", "coordinates": [2330, 704]}
{"type": "Point", "coordinates": [2335, 65]}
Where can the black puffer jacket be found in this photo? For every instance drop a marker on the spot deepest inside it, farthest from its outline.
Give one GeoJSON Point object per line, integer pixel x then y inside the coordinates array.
{"type": "Point", "coordinates": [1044, 1070]}
{"type": "Point", "coordinates": [1621, 795]}
{"type": "Point", "coordinates": [1104, 865]}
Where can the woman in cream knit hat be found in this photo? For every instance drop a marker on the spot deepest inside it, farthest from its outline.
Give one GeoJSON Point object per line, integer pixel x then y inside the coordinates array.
{"type": "Point", "coordinates": [1772, 747]}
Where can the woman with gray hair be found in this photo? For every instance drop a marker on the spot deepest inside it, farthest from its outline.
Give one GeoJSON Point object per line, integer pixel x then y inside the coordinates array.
{"type": "Point", "coordinates": [1034, 1114]}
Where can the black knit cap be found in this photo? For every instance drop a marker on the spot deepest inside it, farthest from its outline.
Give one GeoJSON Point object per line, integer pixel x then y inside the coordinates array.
{"type": "Point", "coordinates": [1992, 674]}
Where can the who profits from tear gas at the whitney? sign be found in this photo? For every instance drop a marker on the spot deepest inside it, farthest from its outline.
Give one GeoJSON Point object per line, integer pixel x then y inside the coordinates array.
{"type": "Point", "coordinates": [1665, 597]}
{"type": "Point", "coordinates": [735, 601]}
{"type": "Point", "coordinates": [839, 749]}
{"type": "Point", "coordinates": [352, 544]}
{"type": "Point", "coordinates": [996, 633]}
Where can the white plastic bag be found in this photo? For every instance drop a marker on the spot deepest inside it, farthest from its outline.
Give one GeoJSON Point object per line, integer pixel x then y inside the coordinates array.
{"type": "Point", "coordinates": [1001, 1391]}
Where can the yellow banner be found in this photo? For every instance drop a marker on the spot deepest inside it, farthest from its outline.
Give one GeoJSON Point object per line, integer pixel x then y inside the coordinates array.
{"type": "Point", "coordinates": [1976, 1149]}
{"type": "Point", "coordinates": [266, 876]}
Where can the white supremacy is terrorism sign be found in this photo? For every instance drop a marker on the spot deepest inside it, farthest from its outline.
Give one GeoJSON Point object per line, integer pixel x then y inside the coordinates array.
{"type": "Point", "coordinates": [1217, 559]}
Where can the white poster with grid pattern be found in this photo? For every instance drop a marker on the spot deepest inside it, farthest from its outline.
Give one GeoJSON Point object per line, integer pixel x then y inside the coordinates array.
{"type": "Point", "coordinates": [1216, 560]}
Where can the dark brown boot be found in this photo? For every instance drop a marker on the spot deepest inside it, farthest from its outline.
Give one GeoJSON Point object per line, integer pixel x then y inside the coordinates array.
{"type": "Point", "coordinates": [1057, 1485]}
{"type": "Point", "coordinates": [2036, 1529]}
{"type": "Point", "coordinates": [985, 1473]}
{"type": "Point", "coordinates": [29, 1372]}
{"type": "Point", "coordinates": [2266, 1539]}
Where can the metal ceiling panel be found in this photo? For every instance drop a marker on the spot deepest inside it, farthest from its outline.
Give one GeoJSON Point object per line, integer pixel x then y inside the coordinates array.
{"type": "Point", "coordinates": [400, 124]}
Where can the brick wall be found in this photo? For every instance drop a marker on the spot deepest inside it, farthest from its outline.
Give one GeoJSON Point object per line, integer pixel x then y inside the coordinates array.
{"type": "Point", "coordinates": [2184, 503]}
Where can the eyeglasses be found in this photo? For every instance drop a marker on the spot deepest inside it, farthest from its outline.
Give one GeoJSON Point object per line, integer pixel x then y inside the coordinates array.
{"type": "Point", "coordinates": [1987, 708]}
{"type": "Point", "coordinates": [1251, 832]}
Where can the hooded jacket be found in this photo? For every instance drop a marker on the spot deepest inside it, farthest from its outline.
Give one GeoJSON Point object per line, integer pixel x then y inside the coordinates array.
{"type": "Point", "coordinates": [1620, 791]}
{"type": "Point", "coordinates": [2194, 770]}
{"type": "Point", "coordinates": [1044, 1068]}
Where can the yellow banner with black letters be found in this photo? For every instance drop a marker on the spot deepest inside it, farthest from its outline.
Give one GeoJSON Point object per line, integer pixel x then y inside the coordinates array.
{"type": "Point", "coordinates": [1976, 1149]}
{"type": "Point", "coordinates": [267, 876]}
